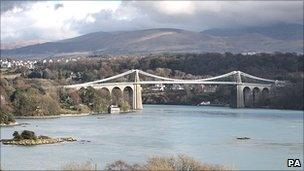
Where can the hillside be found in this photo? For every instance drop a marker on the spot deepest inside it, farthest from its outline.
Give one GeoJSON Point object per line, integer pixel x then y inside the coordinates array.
{"type": "Point", "coordinates": [281, 37]}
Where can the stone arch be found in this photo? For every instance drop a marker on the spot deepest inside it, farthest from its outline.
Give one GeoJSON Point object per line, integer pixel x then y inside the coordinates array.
{"type": "Point", "coordinates": [105, 93]}
{"type": "Point", "coordinates": [128, 96]}
{"type": "Point", "coordinates": [247, 97]}
{"type": "Point", "coordinates": [265, 97]}
{"type": "Point", "coordinates": [116, 96]}
{"type": "Point", "coordinates": [255, 96]}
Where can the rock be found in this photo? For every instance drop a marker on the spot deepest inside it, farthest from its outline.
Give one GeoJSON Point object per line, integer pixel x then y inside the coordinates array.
{"type": "Point", "coordinates": [69, 139]}
{"type": "Point", "coordinates": [36, 141]}
{"type": "Point", "coordinates": [44, 137]}
{"type": "Point", "coordinates": [242, 138]}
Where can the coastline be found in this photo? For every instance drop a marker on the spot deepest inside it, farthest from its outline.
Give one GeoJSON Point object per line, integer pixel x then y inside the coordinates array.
{"type": "Point", "coordinates": [66, 115]}
{"type": "Point", "coordinates": [53, 116]}
{"type": "Point", "coordinates": [226, 105]}
{"type": "Point", "coordinates": [10, 124]}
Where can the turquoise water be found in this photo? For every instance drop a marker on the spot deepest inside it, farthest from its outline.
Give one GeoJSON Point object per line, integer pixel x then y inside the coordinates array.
{"type": "Point", "coordinates": [205, 133]}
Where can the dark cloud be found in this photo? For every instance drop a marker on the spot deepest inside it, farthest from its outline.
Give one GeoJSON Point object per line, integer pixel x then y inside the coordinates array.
{"type": "Point", "coordinates": [224, 13]}
{"type": "Point", "coordinates": [56, 6]}
{"type": "Point", "coordinates": [135, 15]}
{"type": "Point", "coordinates": [9, 5]}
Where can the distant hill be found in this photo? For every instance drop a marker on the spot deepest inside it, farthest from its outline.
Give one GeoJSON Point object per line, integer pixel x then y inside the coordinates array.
{"type": "Point", "coordinates": [281, 31]}
{"type": "Point", "coordinates": [21, 43]}
{"type": "Point", "coordinates": [279, 37]}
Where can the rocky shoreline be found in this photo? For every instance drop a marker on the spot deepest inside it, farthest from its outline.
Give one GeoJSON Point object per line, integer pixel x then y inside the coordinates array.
{"type": "Point", "coordinates": [10, 124]}
{"type": "Point", "coordinates": [56, 116]}
{"type": "Point", "coordinates": [67, 115]}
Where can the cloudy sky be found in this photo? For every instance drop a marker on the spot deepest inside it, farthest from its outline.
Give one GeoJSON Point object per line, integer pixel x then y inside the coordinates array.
{"type": "Point", "coordinates": [54, 20]}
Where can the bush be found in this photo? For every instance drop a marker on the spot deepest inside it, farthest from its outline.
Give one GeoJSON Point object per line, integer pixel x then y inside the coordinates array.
{"type": "Point", "coordinates": [26, 134]}
{"type": "Point", "coordinates": [30, 102]}
{"type": "Point", "coordinates": [6, 118]}
{"type": "Point", "coordinates": [69, 98]}
{"type": "Point", "coordinates": [181, 162]}
{"type": "Point", "coordinates": [83, 166]}
{"type": "Point", "coordinates": [121, 165]}
{"type": "Point", "coordinates": [82, 108]}
{"type": "Point", "coordinates": [125, 106]}
{"type": "Point", "coordinates": [99, 105]}
{"type": "Point", "coordinates": [94, 99]}
{"type": "Point", "coordinates": [17, 136]}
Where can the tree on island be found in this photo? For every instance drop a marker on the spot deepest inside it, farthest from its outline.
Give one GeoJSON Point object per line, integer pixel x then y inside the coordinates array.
{"type": "Point", "coordinates": [26, 134]}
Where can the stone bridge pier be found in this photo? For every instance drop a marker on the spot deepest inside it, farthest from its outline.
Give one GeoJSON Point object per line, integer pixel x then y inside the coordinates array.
{"type": "Point", "coordinates": [132, 93]}
{"type": "Point", "coordinates": [249, 95]}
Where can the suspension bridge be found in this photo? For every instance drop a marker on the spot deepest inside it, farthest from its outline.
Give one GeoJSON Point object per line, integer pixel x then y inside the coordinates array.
{"type": "Point", "coordinates": [246, 88]}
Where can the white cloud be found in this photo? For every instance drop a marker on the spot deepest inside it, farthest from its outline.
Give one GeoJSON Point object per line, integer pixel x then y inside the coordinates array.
{"type": "Point", "coordinates": [173, 8]}
{"type": "Point", "coordinates": [47, 22]}
{"type": "Point", "coordinates": [53, 20]}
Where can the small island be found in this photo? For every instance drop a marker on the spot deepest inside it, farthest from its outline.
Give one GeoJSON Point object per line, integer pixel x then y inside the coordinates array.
{"type": "Point", "coordinates": [28, 138]}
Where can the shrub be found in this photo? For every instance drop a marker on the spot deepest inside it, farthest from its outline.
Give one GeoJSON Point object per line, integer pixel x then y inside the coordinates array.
{"type": "Point", "coordinates": [99, 105]}
{"type": "Point", "coordinates": [30, 102]}
{"type": "Point", "coordinates": [94, 99]}
{"type": "Point", "coordinates": [82, 108]}
{"type": "Point", "coordinates": [125, 106]}
{"type": "Point", "coordinates": [83, 166]}
{"type": "Point", "coordinates": [17, 136]}
{"type": "Point", "coordinates": [6, 118]}
{"type": "Point", "coordinates": [26, 134]}
{"type": "Point", "coordinates": [5, 104]}
{"type": "Point", "coordinates": [181, 162]}
{"type": "Point", "coordinates": [35, 74]}
{"type": "Point", "coordinates": [121, 165]}
{"type": "Point", "coordinates": [74, 97]}
{"type": "Point", "coordinates": [69, 98]}
{"type": "Point", "coordinates": [50, 106]}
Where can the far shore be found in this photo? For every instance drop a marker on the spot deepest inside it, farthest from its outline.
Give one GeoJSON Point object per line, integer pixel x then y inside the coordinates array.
{"type": "Point", "coordinates": [65, 115]}
{"type": "Point", "coordinates": [10, 124]}
{"type": "Point", "coordinates": [53, 116]}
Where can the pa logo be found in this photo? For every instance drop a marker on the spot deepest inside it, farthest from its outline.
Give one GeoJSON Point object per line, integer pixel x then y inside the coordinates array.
{"type": "Point", "coordinates": [293, 163]}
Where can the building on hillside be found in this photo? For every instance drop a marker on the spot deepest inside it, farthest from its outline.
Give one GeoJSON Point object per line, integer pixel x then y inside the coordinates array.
{"type": "Point", "coordinates": [158, 87]}
{"type": "Point", "coordinates": [177, 87]}
{"type": "Point", "coordinates": [209, 88]}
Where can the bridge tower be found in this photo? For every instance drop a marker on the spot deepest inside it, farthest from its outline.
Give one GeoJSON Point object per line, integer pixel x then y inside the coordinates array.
{"type": "Point", "coordinates": [237, 96]}
{"type": "Point", "coordinates": [137, 96]}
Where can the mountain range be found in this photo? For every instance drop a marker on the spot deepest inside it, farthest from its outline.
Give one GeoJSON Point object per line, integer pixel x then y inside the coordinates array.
{"type": "Point", "coordinates": [279, 37]}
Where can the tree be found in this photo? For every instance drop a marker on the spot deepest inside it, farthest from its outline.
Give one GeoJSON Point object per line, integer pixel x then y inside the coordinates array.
{"type": "Point", "coordinates": [26, 134]}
